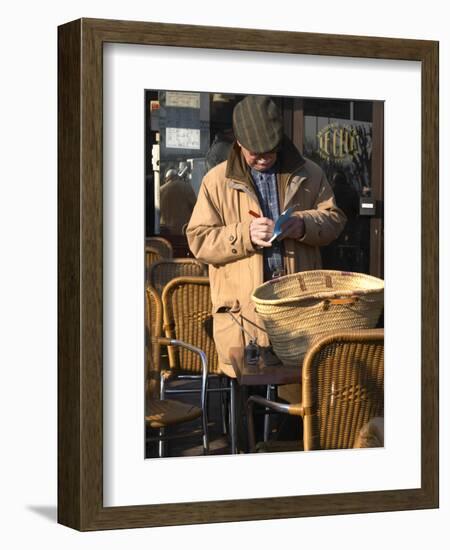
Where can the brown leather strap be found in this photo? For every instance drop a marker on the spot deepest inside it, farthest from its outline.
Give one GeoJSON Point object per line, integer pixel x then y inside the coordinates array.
{"type": "Point", "coordinates": [339, 301]}
{"type": "Point", "coordinates": [301, 282]}
{"type": "Point", "coordinates": [342, 301]}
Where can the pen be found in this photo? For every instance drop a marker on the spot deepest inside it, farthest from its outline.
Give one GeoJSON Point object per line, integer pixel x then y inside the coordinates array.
{"type": "Point", "coordinates": [254, 214]}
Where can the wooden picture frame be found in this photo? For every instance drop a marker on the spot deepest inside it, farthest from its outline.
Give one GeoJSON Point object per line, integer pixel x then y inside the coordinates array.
{"type": "Point", "coordinates": [80, 271]}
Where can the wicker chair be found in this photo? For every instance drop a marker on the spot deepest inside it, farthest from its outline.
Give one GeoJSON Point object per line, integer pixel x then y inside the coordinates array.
{"type": "Point", "coordinates": [152, 255]}
{"type": "Point", "coordinates": [342, 390]}
{"type": "Point", "coordinates": [187, 316]}
{"type": "Point", "coordinates": [164, 270]}
{"type": "Point", "coordinates": [153, 331]}
{"type": "Point", "coordinates": [162, 245]}
{"type": "Point", "coordinates": [162, 413]}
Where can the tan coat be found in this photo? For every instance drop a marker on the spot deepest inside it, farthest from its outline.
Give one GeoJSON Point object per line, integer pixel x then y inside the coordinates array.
{"type": "Point", "coordinates": [219, 235]}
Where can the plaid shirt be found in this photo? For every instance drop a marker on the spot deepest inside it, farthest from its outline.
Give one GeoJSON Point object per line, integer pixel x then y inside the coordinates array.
{"type": "Point", "coordinates": [267, 193]}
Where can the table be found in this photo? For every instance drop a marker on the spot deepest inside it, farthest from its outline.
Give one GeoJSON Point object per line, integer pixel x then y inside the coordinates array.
{"type": "Point", "coordinates": [259, 374]}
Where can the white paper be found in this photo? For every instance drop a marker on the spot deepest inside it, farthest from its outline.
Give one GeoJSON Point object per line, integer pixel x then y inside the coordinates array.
{"type": "Point", "coordinates": [182, 138]}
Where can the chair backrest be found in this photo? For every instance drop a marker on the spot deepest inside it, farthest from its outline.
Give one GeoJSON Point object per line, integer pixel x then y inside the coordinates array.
{"type": "Point", "coordinates": [187, 316]}
{"type": "Point", "coordinates": [152, 255]}
{"type": "Point", "coordinates": [153, 329]}
{"type": "Point", "coordinates": [164, 270]}
{"type": "Point", "coordinates": [162, 245]}
{"type": "Point", "coordinates": [342, 387]}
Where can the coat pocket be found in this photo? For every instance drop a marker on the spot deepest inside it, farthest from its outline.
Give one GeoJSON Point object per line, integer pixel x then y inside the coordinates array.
{"type": "Point", "coordinates": [227, 333]}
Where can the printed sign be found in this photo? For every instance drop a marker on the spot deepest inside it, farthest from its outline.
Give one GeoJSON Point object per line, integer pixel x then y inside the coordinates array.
{"type": "Point", "coordinates": [182, 138]}
{"type": "Point", "coordinates": [183, 99]}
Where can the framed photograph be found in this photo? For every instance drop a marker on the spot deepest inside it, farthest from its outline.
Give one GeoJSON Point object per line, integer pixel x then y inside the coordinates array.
{"type": "Point", "coordinates": [143, 108]}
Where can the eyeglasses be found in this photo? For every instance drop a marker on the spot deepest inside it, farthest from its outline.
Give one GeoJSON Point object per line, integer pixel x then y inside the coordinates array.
{"type": "Point", "coordinates": [261, 155]}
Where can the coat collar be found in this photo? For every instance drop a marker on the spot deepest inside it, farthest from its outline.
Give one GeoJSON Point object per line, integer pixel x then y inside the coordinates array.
{"type": "Point", "coordinates": [289, 161]}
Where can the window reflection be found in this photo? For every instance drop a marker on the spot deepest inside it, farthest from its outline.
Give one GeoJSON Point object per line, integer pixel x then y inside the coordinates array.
{"type": "Point", "coordinates": [341, 143]}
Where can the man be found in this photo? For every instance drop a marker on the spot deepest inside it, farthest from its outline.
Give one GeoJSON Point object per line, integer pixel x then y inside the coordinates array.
{"type": "Point", "coordinates": [264, 174]}
{"type": "Point", "coordinates": [177, 199]}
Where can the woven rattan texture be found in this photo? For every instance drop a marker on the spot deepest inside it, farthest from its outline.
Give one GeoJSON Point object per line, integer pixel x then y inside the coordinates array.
{"type": "Point", "coordinates": [153, 315]}
{"type": "Point", "coordinates": [167, 412]}
{"type": "Point", "coordinates": [343, 388]}
{"type": "Point", "coordinates": [299, 309]}
{"type": "Point", "coordinates": [164, 270]}
{"type": "Point", "coordinates": [162, 245]}
{"type": "Point", "coordinates": [152, 255]}
{"type": "Point", "coordinates": [187, 317]}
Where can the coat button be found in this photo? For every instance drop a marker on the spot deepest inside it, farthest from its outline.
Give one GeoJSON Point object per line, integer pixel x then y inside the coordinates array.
{"type": "Point", "coordinates": [234, 251]}
{"type": "Point", "coordinates": [231, 238]}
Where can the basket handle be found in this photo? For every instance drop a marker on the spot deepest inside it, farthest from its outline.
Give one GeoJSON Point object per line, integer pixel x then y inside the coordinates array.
{"type": "Point", "coordinates": [344, 300]}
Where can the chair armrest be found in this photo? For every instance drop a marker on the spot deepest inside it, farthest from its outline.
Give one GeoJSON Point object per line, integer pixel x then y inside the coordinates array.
{"type": "Point", "coordinates": [294, 409]}
{"type": "Point", "coordinates": [286, 408]}
{"type": "Point", "coordinates": [203, 358]}
{"type": "Point", "coordinates": [173, 342]}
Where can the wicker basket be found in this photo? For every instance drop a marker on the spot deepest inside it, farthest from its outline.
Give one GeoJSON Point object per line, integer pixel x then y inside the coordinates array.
{"type": "Point", "coordinates": [300, 308]}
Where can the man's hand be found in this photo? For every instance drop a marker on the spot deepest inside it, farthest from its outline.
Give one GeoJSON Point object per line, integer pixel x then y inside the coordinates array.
{"type": "Point", "coordinates": [294, 228]}
{"type": "Point", "coordinates": [261, 230]}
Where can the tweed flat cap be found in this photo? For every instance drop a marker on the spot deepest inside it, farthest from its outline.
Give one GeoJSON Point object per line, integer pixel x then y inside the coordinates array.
{"type": "Point", "coordinates": [257, 124]}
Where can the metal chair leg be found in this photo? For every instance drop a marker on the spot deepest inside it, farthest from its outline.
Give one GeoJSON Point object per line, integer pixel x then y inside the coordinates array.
{"type": "Point", "coordinates": [205, 433]}
{"type": "Point", "coordinates": [162, 445]}
{"type": "Point", "coordinates": [251, 426]}
{"type": "Point", "coordinates": [233, 416]}
{"type": "Point", "coordinates": [267, 416]}
{"type": "Point", "coordinates": [223, 404]}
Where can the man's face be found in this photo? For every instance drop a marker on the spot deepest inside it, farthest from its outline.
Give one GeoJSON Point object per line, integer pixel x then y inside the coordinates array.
{"type": "Point", "coordinates": [259, 161]}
